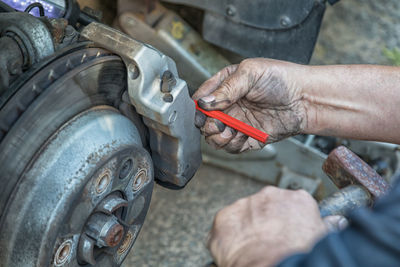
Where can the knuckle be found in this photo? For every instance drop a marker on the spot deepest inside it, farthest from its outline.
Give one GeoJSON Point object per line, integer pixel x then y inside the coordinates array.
{"type": "Point", "coordinates": [303, 195]}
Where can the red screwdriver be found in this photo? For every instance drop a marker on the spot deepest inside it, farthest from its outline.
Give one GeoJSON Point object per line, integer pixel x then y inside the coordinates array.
{"type": "Point", "coordinates": [235, 124]}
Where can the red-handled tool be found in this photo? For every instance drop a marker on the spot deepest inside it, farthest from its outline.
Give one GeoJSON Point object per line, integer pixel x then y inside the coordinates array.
{"type": "Point", "coordinates": [235, 124]}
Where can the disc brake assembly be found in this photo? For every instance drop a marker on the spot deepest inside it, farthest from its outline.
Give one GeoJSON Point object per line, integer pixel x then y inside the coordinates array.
{"type": "Point", "coordinates": [83, 135]}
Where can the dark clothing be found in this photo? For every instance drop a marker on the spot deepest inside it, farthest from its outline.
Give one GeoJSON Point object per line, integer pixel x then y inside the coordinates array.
{"type": "Point", "coordinates": [372, 239]}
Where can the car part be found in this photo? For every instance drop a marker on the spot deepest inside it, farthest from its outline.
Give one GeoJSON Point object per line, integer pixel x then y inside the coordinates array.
{"type": "Point", "coordinates": [169, 115]}
{"type": "Point", "coordinates": [165, 30]}
{"type": "Point", "coordinates": [78, 161]}
{"type": "Point", "coordinates": [280, 29]}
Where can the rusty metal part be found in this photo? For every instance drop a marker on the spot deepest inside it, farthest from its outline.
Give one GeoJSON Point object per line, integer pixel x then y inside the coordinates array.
{"type": "Point", "coordinates": [105, 229]}
{"type": "Point", "coordinates": [344, 201]}
{"type": "Point", "coordinates": [346, 168]}
{"type": "Point", "coordinates": [174, 139]}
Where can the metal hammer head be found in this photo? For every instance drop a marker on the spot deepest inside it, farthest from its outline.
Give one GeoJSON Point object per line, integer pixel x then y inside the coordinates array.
{"type": "Point", "coordinates": [345, 168]}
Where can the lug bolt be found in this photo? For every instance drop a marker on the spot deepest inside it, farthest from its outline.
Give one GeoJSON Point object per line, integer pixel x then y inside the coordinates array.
{"type": "Point", "coordinates": [102, 182]}
{"type": "Point", "coordinates": [139, 180]}
{"type": "Point", "coordinates": [63, 252]}
{"type": "Point", "coordinates": [126, 243]}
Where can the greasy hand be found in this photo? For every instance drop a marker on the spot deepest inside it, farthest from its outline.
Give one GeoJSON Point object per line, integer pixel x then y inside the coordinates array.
{"type": "Point", "coordinates": [262, 229]}
{"type": "Point", "coordinates": [263, 93]}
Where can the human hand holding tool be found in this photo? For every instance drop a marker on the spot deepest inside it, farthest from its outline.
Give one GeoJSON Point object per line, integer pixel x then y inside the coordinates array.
{"type": "Point", "coordinates": [235, 124]}
{"type": "Point", "coordinates": [259, 93]}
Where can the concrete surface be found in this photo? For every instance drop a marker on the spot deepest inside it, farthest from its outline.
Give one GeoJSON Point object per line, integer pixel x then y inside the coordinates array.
{"type": "Point", "coordinates": [356, 31]}
{"type": "Point", "coordinates": [177, 224]}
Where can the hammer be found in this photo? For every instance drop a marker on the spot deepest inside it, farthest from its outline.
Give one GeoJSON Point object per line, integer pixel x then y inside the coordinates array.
{"type": "Point", "coordinates": [359, 184]}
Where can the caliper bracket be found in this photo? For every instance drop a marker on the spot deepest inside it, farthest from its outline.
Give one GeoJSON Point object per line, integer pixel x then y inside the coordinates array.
{"type": "Point", "coordinates": [158, 94]}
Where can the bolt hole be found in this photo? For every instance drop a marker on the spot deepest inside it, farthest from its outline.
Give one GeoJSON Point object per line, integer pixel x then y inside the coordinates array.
{"type": "Point", "coordinates": [102, 182]}
{"type": "Point", "coordinates": [126, 169]}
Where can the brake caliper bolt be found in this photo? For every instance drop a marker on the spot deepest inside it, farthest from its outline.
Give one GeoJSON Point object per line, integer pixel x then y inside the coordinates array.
{"type": "Point", "coordinates": [167, 81]}
{"type": "Point", "coordinates": [168, 98]}
{"type": "Point", "coordinates": [133, 71]}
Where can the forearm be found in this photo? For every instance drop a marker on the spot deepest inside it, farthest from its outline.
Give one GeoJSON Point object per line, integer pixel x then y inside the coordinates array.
{"type": "Point", "coordinates": [353, 101]}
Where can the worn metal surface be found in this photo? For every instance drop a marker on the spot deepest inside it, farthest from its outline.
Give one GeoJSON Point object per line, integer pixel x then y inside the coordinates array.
{"type": "Point", "coordinates": [24, 40]}
{"type": "Point", "coordinates": [196, 60]}
{"type": "Point", "coordinates": [36, 39]}
{"type": "Point", "coordinates": [280, 29]}
{"type": "Point", "coordinates": [46, 99]}
{"type": "Point", "coordinates": [174, 140]}
{"type": "Point", "coordinates": [344, 201]}
{"type": "Point", "coordinates": [11, 62]}
{"type": "Point", "coordinates": [264, 14]}
{"type": "Point", "coordinates": [346, 168]}
{"type": "Point", "coordinates": [91, 145]}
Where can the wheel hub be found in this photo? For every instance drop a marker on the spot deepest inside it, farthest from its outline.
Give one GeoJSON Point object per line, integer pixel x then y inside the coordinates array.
{"type": "Point", "coordinates": [93, 161]}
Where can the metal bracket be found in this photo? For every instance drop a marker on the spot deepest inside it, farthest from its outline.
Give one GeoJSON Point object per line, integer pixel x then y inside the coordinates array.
{"type": "Point", "coordinates": [174, 140]}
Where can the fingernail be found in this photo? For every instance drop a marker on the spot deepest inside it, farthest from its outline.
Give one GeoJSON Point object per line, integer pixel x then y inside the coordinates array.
{"type": "Point", "coordinates": [343, 223]}
{"type": "Point", "coordinates": [207, 99]}
{"type": "Point", "coordinates": [199, 119]}
{"type": "Point", "coordinates": [220, 125]}
{"type": "Point", "coordinates": [227, 133]}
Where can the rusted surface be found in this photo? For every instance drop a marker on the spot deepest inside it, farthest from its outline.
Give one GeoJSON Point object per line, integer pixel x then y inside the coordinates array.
{"type": "Point", "coordinates": [114, 235]}
{"type": "Point", "coordinates": [346, 168]}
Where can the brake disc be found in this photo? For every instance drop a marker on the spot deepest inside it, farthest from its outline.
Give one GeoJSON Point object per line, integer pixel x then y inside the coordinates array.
{"type": "Point", "coordinates": [76, 177]}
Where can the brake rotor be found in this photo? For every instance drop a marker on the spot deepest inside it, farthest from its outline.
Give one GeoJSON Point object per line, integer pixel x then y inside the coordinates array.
{"type": "Point", "coordinates": [76, 178]}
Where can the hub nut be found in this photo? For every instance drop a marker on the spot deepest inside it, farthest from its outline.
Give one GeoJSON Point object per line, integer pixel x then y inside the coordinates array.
{"type": "Point", "coordinates": [105, 229]}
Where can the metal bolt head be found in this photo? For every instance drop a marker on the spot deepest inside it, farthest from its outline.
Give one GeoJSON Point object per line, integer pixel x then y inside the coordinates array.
{"type": "Point", "coordinates": [102, 182]}
{"type": "Point", "coordinates": [168, 81]}
{"type": "Point", "coordinates": [285, 21]}
{"type": "Point", "coordinates": [104, 229]}
{"type": "Point", "coordinates": [133, 71]}
{"type": "Point", "coordinates": [168, 98]}
{"type": "Point", "coordinates": [139, 180]}
{"type": "Point", "coordinates": [230, 10]}
{"type": "Point", "coordinates": [114, 235]}
{"type": "Point", "coordinates": [63, 253]}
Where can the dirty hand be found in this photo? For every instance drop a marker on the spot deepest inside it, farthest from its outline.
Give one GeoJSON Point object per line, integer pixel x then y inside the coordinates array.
{"type": "Point", "coordinates": [264, 93]}
{"type": "Point", "coordinates": [262, 229]}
